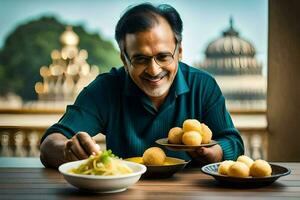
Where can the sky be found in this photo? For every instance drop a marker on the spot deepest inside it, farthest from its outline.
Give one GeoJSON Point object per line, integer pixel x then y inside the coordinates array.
{"type": "Point", "coordinates": [203, 20]}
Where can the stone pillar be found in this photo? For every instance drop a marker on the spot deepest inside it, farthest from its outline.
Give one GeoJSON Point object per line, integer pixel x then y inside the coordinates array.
{"type": "Point", "coordinates": [283, 98]}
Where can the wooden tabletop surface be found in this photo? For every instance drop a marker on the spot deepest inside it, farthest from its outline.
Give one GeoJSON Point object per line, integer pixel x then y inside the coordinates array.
{"type": "Point", "coordinates": [27, 179]}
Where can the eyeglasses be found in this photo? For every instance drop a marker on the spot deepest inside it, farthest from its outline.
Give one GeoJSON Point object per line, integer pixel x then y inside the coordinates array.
{"type": "Point", "coordinates": [162, 59]}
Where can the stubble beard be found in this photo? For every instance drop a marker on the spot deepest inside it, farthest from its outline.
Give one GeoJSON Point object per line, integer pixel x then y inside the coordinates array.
{"type": "Point", "coordinates": [159, 91]}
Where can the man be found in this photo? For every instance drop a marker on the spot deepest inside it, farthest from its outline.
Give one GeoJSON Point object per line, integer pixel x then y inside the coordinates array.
{"type": "Point", "coordinates": [140, 102]}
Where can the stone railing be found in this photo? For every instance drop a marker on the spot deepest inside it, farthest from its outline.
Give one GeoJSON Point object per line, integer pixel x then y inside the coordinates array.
{"type": "Point", "coordinates": [21, 130]}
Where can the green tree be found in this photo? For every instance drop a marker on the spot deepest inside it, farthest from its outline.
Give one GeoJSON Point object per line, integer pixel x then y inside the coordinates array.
{"type": "Point", "coordinates": [29, 47]}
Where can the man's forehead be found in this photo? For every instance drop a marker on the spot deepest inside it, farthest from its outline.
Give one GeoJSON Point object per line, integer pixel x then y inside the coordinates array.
{"type": "Point", "coordinates": [149, 47]}
{"type": "Point", "coordinates": [160, 33]}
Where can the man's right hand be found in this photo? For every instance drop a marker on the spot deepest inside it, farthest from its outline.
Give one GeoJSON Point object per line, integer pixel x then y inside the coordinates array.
{"type": "Point", "coordinates": [56, 149]}
{"type": "Point", "coordinates": [80, 146]}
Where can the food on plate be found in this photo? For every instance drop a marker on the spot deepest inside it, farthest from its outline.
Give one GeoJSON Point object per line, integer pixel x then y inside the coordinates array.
{"type": "Point", "coordinates": [187, 134]}
{"type": "Point", "coordinates": [175, 135]}
{"type": "Point", "coordinates": [154, 156]}
{"type": "Point", "coordinates": [245, 167]}
{"type": "Point", "coordinates": [238, 169]}
{"type": "Point", "coordinates": [260, 168]}
{"type": "Point", "coordinates": [168, 161]}
{"type": "Point", "coordinates": [206, 134]}
{"type": "Point", "coordinates": [191, 138]}
{"type": "Point", "coordinates": [245, 159]}
{"type": "Point", "coordinates": [191, 125]}
{"type": "Point", "coordinates": [103, 163]}
{"type": "Point", "coordinates": [224, 166]}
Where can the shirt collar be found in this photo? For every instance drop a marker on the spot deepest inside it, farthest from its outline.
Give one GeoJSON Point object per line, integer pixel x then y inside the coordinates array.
{"type": "Point", "coordinates": [179, 84]}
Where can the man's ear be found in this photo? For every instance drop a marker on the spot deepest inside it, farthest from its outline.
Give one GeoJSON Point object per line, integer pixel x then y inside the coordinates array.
{"type": "Point", "coordinates": [179, 51]}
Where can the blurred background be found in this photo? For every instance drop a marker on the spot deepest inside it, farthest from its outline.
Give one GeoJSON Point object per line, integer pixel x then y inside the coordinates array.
{"type": "Point", "coordinates": [50, 50]}
{"type": "Point", "coordinates": [225, 38]}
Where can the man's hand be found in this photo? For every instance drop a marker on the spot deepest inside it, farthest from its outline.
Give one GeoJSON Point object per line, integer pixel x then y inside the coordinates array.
{"type": "Point", "coordinates": [80, 146]}
{"type": "Point", "coordinates": [205, 155]}
{"type": "Point", "coordinates": [56, 149]}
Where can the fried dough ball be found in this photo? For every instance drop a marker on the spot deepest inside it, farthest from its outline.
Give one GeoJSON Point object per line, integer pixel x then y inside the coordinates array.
{"type": "Point", "coordinates": [224, 166]}
{"type": "Point", "coordinates": [238, 169]}
{"type": "Point", "coordinates": [175, 135]}
{"type": "Point", "coordinates": [191, 138]}
{"type": "Point", "coordinates": [206, 134]}
{"type": "Point", "coordinates": [245, 159]}
{"type": "Point", "coordinates": [154, 156]}
{"type": "Point", "coordinates": [191, 125]}
{"type": "Point", "coordinates": [260, 168]}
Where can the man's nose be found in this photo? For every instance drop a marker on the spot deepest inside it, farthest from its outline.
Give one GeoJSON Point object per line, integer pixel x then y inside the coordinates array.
{"type": "Point", "coordinates": [153, 69]}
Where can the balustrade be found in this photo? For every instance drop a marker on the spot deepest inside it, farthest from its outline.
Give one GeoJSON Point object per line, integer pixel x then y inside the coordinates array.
{"type": "Point", "coordinates": [20, 132]}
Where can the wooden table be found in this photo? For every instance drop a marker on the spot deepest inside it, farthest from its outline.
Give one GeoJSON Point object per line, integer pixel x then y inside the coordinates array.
{"type": "Point", "coordinates": [25, 178]}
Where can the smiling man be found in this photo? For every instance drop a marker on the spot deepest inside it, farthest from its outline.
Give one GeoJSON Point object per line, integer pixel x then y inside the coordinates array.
{"type": "Point", "coordinates": [149, 59]}
{"type": "Point", "coordinates": [141, 101]}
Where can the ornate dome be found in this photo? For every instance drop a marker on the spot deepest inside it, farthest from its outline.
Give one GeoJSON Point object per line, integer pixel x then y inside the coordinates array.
{"type": "Point", "coordinates": [230, 55]}
{"type": "Point", "coordinates": [230, 44]}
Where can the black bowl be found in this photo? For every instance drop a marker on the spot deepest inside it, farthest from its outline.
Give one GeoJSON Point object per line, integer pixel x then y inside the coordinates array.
{"type": "Point", "coordinates": [171, 166]}
{"type": "Point", "coordinates": [277, 172]}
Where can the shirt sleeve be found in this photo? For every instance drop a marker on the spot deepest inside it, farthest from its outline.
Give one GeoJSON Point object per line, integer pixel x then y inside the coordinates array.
{"type": "Point", "coordinates": [83, 115]}
{"type": "Point", "coordinates": [218, 119]}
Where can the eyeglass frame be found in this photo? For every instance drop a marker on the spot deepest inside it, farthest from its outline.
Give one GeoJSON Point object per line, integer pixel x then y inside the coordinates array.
{"type": "Point", "coordinates": [151, 57]}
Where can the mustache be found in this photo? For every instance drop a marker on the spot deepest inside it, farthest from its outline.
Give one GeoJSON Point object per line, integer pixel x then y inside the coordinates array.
{"type": "Point", "coordinates": [158, 76]}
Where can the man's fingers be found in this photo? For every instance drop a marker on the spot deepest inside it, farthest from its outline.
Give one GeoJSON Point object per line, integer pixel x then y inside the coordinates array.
{"type": "Point", "coordinates": [213, 154]}
{"type": "Point", "coordinates": [68, 154]}
{"type": "Point", "coordinates": [80, 146]}
{"type": "Point", "coordinates": [78, 150]}
{"type": "Point", "coordinates": [197, 154]}
{"type": "Point", "coordinates": [201, 151]}
{"type": "Point", "coordinates": [205, 155]}
{"type": "Point", "coordinates": [200, 155]}
{"type": "Point", "coordinates": [87, 143]}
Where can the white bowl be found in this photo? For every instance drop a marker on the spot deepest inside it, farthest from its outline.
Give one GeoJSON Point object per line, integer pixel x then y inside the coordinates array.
{"type": "Point", "coordinates": [102, 184]}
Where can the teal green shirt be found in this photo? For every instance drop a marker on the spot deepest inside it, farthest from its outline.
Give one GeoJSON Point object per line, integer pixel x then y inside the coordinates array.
{"type": "Point", "coordinates": [113, 105]}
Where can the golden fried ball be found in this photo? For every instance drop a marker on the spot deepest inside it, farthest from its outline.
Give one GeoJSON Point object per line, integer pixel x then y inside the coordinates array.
{"type": "Point", "coordinates": [238, 169]}
{"type": "Point", "coordinates": [245, 159]}
{"type": "Point", "coordinates": [224, 166]}
{"type": "Point", "coordinates": [154, 156]}
{"type": "Point", "coordinates": [191, 138]}
{"type": "Point", "coordinates": [191, 125]}
{"type": "Point", "coordinates": [206, 134]}
{"type": "Point", "coordinates": [175, 135]}
{"type": "Point", "coordinates": [260, 168]}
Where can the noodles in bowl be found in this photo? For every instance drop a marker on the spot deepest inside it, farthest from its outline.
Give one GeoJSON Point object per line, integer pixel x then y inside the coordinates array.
{"type": "Point", "coordinates": [103, 163]}
{"type": "Point", "coordinates": [104, 174]}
